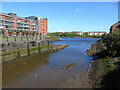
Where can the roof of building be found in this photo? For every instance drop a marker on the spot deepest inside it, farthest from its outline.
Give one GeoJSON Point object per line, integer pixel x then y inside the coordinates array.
{"type": "Point", "coordinates": [25, 18]}
{"type": "Point", "coordinates": [97, 32]}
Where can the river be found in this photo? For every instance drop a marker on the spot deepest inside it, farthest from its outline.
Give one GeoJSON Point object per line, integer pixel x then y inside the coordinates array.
{"type": "Point", "coordinates": [44, 70]}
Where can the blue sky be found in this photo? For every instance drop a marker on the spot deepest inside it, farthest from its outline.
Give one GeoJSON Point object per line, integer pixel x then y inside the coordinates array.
{"type": "Point", "coordinates": [68, 16]}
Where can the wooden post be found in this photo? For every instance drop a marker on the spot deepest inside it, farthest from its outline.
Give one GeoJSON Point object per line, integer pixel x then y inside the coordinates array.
{"type": "Point", "coordinates": [15, 38]}
{"type": "Point", "coordinates": [7, 38]}
{"type": "Point", "coordinates": [39, 50]}
{"type": "Point", "coordinates": [27, 38]}
{"type": "Point", "coordinates": [28, 50]}
{"type": "Point", "coordinates": [21, 38]}
{"type": "Point", "coordinates": [18, 53]}
{"type": "Point", "coordinates": [48, 42]}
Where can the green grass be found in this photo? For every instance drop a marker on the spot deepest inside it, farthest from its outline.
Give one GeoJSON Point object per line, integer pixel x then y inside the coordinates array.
{"type": "Point", "coordinates": [108, 65]}
{"type": "Point", "coordinates": [100, 46]}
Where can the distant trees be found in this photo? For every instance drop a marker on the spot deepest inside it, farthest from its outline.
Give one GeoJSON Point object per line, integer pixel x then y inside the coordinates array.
{"type": "Point", "coordinates": [73, 34]}
{"type": "Point", "coordinates": [86, 33]}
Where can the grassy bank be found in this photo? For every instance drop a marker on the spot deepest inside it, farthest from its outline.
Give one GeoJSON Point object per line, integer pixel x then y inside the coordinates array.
{"type": "Point", "coordinates": [51, 39]}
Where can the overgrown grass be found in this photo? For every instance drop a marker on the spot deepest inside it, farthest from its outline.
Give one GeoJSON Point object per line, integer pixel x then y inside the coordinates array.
{"type": "Point", "coordinates": [100, 45]}
{"type": "Point", "coordinates": [108, 65]}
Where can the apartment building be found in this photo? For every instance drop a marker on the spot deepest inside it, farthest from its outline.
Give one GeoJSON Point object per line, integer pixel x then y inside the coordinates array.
{"type": "Point", "coordinates": [96, 33]}
{"type": "Point", "coordinates": [114, 26]}
{"type": "Point", "coordinates": [89, 33]}
{"type": "Point", "coordinates": [78, 32]}
{"type": "Point", "coordinates": [12, 22]}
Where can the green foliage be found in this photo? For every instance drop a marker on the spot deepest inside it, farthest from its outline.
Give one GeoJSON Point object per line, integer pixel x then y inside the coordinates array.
{"type": "Point", "coordinates": [17, 32]}
{"type": "Point", "coordinates": [33, 33]}
{"type": "Point", "coordinates": [117, 30]}
{"type": "Point", "coordinates": [112, 43]}
{"type": "Point", "coordinates": [10, 32]}
{"type": "Point", "coordinates": [86, 33]}
{"type": "Point", "coordinates": [108, 65]}
{"type": "Point", "coordinates": [3, 31]}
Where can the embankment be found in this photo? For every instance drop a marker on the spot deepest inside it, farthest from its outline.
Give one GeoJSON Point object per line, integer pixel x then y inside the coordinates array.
{"type": "Point", "coordinates": [103, 67]}
{"type": "Point", "coordinates": [9, 56]}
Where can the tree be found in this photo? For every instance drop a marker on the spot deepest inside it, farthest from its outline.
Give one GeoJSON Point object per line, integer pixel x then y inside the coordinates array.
{"type": "Point", "coordinates": [86, 33]}
{"type": "Point", "coordinates": [33, 33]}
{"type": "Point", "coordinates": [26, 33]}
{"type": "Point", "coordinates": [37, 33]}
{"type": "Point", "coordinates": [23, 33]}
{"type": "Point", "coordinates": [3, 32]}
{"type": "Point", "coordinates": [17, 32]}
{"type": "Point", "coordinates": [10, 32]}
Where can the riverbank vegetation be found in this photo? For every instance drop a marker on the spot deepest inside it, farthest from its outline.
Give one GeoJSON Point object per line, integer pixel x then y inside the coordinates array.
{"type": "Point", "coordinates": [72, 34]}
{"type": "Point", "coordinates": [51, 38]}
{"type": "Point", "coordinates": [105, 67]}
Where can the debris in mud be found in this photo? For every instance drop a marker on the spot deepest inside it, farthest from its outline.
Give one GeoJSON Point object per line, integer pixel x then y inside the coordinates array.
{"type": "Point", "coordinates": [69, 66]}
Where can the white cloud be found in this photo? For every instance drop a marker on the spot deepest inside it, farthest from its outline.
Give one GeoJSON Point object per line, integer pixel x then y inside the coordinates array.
{"type": "Point", "coordinates": [77, 9]}
{"type": "Point", "coordinates": [101, 27]}
{"type": "Point", "coordinates": [107, 6]}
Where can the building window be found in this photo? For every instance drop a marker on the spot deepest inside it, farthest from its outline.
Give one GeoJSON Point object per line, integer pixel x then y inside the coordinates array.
{"type": "Point", "coordinates": [0, 17]}
{"type": "Point", "coordinates": [1, 21]}
{"type": "Point", "coordinates": [7, 18]}
{"type": "Point", "coordinates": [1, 26]}
{"type": "Point", "coordinates": [25, 21]}
{"type": "Point", "coordinates": [19, 21]}
{"type": "Point", "coordinates": [43, 32]}
{"type": "Point", "coordinates": [33, 24]}
{"type": "Point", "coordinates": [40, 21]}
{"type": "Point", "coordinates": [43, 29]}
{"type": "Point", "coordinates": [43, 21]}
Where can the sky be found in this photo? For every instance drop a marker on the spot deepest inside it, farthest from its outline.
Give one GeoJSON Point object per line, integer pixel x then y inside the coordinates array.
{"type": "Point", "coordinates": [68, 16]}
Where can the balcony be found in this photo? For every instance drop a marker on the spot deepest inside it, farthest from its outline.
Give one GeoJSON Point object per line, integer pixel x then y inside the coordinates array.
{"type": "Point", "coordinates": [26, 23]}
{"type": "Point", "coordinates": [9, 28]}
{"type": "Point", "coordinates": [26, 29]}
{"type": "Point", "coordinates": [20, 26]}
{"type": "Point", "coordinates": [20, 22]}
{"type": "Point", "coordinates": [26, 26]}
{"type": "Point", "coordinates": [34, 30]}
{"type": "Point", "coordinates": [20, 29]}
{"type": "Point", "coordinates": [1, 19]}
{"type": "Point", "coordinates": [1, 24]}
{"type": "Point", "coordinates": [8, 20]}
{"type": "Point", "coordinates": [34, 27]}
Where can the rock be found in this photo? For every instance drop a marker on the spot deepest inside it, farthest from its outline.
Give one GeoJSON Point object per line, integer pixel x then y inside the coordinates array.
{"type": "Point", "coordinates": [68, 66]}
{"type": "Point", "coordinates": [36, 75]}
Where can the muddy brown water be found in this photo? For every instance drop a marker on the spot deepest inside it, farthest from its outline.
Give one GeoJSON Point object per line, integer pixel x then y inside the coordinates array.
{"type": "Point", "coordinates": [44, 70]}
